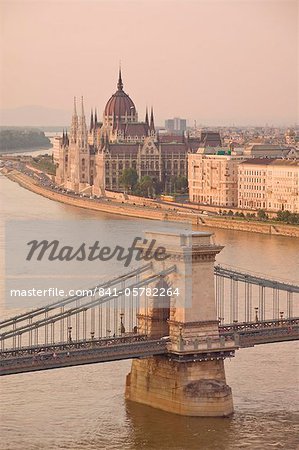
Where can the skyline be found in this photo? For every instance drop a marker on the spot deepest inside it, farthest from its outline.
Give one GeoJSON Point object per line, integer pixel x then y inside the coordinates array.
{"type": "Point", "coordinates": [220, 63]}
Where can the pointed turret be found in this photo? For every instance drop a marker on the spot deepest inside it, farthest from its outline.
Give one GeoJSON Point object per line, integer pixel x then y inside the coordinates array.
{"type": "Point", "coordinates": [91, 121]}
{"type": "Point", "coordinates": [74, 126]}
{"type": "Point", "coordinates": [120, 81]}
{"type": "Point", "coordinates": [95, 119]}
{"type": "Point", "coordinates": [66, 138]}
{"type": "Point", "coordinates": [63, 138]}
{"type": "Point", "coordinates": [75, 107]}
{"type": "Point", "coordinates": [82, 108]}
{"type": "Point", "coordinates": [146, 117]}
{"type": "Point", "coordinates": [82, 129]}
{"type": "Point", "coordinates": [152, 125]}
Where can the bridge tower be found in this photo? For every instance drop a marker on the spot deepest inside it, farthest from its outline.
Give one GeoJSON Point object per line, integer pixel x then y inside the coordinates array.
{"type": "Point", "coordinates": [190, 379]}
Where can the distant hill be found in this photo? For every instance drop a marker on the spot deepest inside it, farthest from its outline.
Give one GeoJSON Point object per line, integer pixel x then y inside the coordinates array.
{"type": "Point", "coordinates": [30, 116]}
{"type": "Point", "coordinates": [14, 139]}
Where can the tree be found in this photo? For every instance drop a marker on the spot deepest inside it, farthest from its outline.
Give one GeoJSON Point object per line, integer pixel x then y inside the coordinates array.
{"type": "Point", "coordinates": [182, 184]}
{"type": "Point", "coordinates": [288, 217]}
{"type": "Point", "coordinates": [261, 214]}
{"type": "Point", "coordinates": [173, 183]}
{"type": "Point", "coordinates": [146, 186]}
{"type": "Point", "coordinates": [128, 179]}
{"type": "Point", "coordinates": [178, 184]}
{"type": "Point", "coordinates": [294, 218]}
{"type": "Point", "coordinates": [283, 216]}
{"type": "Point", "coordinates": [158, 186]}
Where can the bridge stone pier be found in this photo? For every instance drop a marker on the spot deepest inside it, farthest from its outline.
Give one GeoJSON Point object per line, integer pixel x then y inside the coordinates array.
{"type": "Point", "coordinates": [189, 379]}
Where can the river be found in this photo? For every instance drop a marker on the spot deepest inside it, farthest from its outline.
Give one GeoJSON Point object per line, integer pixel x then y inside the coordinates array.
{"type": "Point", "coordinates": [84, 407]}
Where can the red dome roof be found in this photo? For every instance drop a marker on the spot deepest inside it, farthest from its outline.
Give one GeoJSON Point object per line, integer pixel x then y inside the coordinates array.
{"type": "Point", "coordinates": [120, 104]}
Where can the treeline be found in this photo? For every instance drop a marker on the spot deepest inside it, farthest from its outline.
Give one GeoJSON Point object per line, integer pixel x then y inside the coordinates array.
{"type": "Point", "coordinates": [148, 186]}
{"type": "Point", "coordinates": [13, 139]}
{"type": "Point", "coordinates": [281, 216]}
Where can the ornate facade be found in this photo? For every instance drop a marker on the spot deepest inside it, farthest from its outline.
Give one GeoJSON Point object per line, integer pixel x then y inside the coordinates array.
{"type": "Point", "coordinates": [93, 159]}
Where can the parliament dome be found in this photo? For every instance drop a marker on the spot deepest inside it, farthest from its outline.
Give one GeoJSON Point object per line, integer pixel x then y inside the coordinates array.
{"type": "Point", "coordinates": [120, 104]}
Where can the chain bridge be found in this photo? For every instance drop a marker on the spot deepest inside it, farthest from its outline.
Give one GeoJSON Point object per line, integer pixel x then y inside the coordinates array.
{"type": "Point", "coordinates": [144, 315]}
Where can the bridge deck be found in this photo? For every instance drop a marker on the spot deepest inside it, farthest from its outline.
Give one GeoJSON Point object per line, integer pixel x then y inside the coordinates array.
{"type": "Point", "coordinates": [73, 356]}
{"type": "Point", "coordinates": [30, 359]}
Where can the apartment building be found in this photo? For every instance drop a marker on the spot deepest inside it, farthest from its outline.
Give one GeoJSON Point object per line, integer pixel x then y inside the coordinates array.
{"type": "Point", "coordinates": [213, 179]}
{"type": "Point", "coordinates": [268, 184]}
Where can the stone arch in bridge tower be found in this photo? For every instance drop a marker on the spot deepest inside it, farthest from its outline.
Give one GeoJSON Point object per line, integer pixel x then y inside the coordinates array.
{"type": "Point", "coordinates": [160, 308]}
{"type": "Point", "coordinates": [189, 378]}
{"type": "Point", "coordinates": [192, 308]}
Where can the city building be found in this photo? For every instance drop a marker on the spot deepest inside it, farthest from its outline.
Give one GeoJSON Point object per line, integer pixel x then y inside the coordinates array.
{"type": "Point", "coordinates": [57, 141]}
{"type": "Point", "coordinates": [213, 178]}
{"type": "Point", "coordinates": [291, 137]}
{"type": "Point", "coordinates": [272, 185]}
{"type": "Point", "coordinates": [263, 150]}
{"type": "Point", "coordinates": [176, 125]}
{"type": "Point", "coordinates": [93, 159]}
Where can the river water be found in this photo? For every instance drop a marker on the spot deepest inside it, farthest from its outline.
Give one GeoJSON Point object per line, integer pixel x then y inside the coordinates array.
{"type": "Point", "coordinates": [84, 407]}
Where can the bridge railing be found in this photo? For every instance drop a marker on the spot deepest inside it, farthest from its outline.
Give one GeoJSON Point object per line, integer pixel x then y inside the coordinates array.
{"type": "Point", "coordinates": [247, 297]}
{"type": "Point", "coordinates": [109, 314]}
{"type": "Point", "coordinates": [242, 300]}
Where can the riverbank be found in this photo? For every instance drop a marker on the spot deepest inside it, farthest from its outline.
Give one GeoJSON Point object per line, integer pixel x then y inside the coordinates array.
{"type": "Point", "coordinates": [146, 212]}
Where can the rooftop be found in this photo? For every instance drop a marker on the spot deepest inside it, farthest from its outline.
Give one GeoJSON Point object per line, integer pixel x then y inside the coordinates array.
{"type": "Point", "coordinates": [272, 162]}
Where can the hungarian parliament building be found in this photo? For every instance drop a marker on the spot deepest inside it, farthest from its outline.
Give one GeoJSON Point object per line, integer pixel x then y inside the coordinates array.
{"type": "Point", "coordinates": [93, 158]}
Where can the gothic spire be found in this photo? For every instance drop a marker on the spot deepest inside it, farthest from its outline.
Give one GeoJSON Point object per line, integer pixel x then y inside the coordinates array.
{"type": "Point", "coordinates": [152, 125]}
{"type": "Point", "coordinates": [82, 129]}
{"type": "Point", "coordinates": [66, 138]}
{"type": "Point", "coordinates": [95, 118]}
{"type": "Point", "coordinates": [75, 108]}
{"type": "Point", "coordinates": [82, 107]}
{"type": "Point", "coordinates": [146, 117]}
{"type": "Point", "coordinates": [63, 137]}
{"type": "Point", "coordinates": [74, 126]}
{"type": "Point", "coordinates": [120, 81]}
{"type": "Point", "coordinates": [91, 121]}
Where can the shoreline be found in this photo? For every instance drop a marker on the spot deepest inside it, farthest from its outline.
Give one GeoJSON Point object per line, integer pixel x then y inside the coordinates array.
{"type": "Point", "coordinates": [20, 151]}
{"type": "Point", "coordinates": [151, 213]}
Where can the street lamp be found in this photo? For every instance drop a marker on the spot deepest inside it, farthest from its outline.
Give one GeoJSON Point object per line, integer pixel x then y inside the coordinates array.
{"type": "Point", "coordinates": [122, 327]}
{"type": "Point", "coordinates": [256, 313]}
{"type": "Point", "coordinates": [70, 334]}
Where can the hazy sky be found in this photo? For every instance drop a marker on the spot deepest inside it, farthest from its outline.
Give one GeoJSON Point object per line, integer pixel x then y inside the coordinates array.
{"type": "Point", "coordinates": [219, 62]}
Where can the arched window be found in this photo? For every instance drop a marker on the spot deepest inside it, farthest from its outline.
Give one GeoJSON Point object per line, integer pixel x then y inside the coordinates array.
{"type": "Point", "coordinates": [161, 308]}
